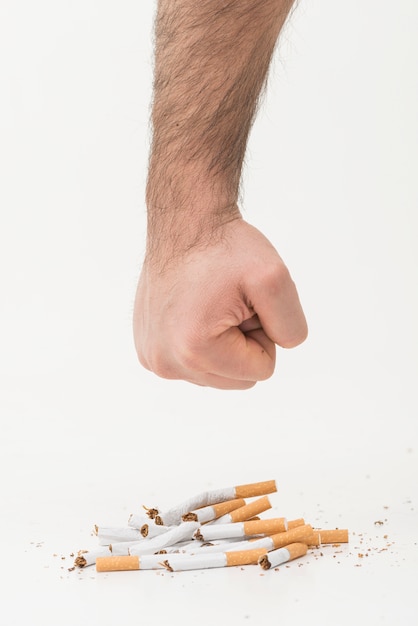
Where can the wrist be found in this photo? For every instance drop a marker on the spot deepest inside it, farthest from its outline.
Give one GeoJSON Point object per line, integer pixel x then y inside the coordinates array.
{"type": "Point", "coordinates": [174, 230]}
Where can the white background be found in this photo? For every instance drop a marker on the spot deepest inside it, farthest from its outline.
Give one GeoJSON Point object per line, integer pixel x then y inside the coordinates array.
{"type": "Point", "coordinates": [88, 436]}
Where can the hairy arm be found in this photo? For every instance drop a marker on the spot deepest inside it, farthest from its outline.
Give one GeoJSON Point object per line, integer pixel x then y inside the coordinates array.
{"type": "Point", "coordinates": [198, 315]}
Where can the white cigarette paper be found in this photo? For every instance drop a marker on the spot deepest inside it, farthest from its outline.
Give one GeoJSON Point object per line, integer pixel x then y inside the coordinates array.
{"type": "Point", "coordinates": [108, 535]}
{"type": "Point", "coordinates": [148, 528]}
{"type": "Point", "coordinates": [174, 535]}
{"type": "Point", "coordinates": [85, 558]}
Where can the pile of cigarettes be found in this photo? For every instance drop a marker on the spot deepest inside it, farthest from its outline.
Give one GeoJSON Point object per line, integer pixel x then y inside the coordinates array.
{"type": "Point", "coordinates": [217, 528]}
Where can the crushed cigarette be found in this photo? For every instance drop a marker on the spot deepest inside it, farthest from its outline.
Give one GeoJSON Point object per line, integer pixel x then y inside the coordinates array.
{"type": "Point", "coordinates": [217, 528]}
{"type": "Point", "coordinates": [206, 498]}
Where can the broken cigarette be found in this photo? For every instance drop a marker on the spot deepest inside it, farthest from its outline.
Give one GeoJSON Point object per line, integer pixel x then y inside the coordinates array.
{"type": "Point", "coordinates": [85, 558]}
{"type": "Point", "coordinates": [181, 562]}
{"type": "Point", "coordinates": [246, 512]}
{"type": "Point", "coordinates": [108, 535]}
{"type": "Point", "coordinates": [207, 498]}
{"type": "Point", "coordinates": [209, 513]}
{"type": "Point", "coordinates": [129, 563]}
{"type": "Point", "coordinates": [282, 555]}
{"type": "Point", "coordinates": [212, 532]}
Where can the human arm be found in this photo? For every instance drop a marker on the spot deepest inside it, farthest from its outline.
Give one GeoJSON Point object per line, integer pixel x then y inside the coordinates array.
{"type": "Point", "coordinates": [213, 297]}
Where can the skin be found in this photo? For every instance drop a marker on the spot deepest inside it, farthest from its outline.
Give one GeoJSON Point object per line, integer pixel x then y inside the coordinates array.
{"type": "Point", "coordinates": [214, 298]}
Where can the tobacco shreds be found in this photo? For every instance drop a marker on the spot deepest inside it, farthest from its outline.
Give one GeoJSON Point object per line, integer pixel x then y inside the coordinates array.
{"type": "Point", "coordinates": [144, 530]}
{"type": "Point", "coordinates": [189, 517]}
{"type": "Point", "coordinates": [264, 563]}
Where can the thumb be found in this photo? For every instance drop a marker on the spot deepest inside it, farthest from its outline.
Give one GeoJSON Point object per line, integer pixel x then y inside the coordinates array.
{"type": "Point", "coordinates": [276, 301]}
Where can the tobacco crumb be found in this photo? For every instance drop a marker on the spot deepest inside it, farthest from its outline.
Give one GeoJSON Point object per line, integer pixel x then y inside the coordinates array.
{"type": "Point", "coordinates": [167, 565]}
{"type": "Point", "coordinates": [379, 523]}
{"type": "Point", "coordinates": [198, 535]}
{"type": "Point", "coordinates": [144, 530]}
{"type": "Point", "coordinates": [152, 513]}
{"type": "Point", "coordinates": [158, 520]}
{"type": "Point", "coordinates": [71, 569]}
{"type": "Point", "coordinates": [80, 561]}
{"type": "Point", "coordinates": [264, 562]}
{"type": "Point", "coordinates": [161, 552]}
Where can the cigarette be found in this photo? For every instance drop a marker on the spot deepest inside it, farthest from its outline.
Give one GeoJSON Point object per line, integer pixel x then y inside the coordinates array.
{"type": "Point", "coordinates": [209, 513]}
{"type": "Point", "coordinates": [333, 536]}
{"type": "Point", "coordinates": [108, 535]}
{"type": "Point", "coordinates": [174, 535]}
{"type": "Point", "coordinates": [181, 562]}
{"type": "Point", "coordinates": [246, 512]}
{"type": "Point", "coordinates": [212, 532]}
{"type": "Point", "coordinates": [282, 555]}
{"type": "Point", "coordinates": [207, 498]}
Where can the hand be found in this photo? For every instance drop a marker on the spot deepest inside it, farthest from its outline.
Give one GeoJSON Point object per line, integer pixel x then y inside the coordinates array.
{"type": "Point", "coordinates": [214, 314]}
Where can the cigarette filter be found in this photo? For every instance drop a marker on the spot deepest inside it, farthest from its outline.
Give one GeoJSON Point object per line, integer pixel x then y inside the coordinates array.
{"type": "Point", "coordinates": [333, 536]}
{"type": "Point", "coordinates": [246, 512]}
{"type": "Point", "coordinates": [300, 534]}
{"type": "Point", "coordinates": [293, 523]}
{"type": "Point", "coordinates": [207, 498]}
{"type": "Point", "coordinates": [241, 529]}
{"type": "Point", "coordinates": [282, 555]}
{"type": "Point", "coordinates": [255, 489]}
{"type": "Point", "coordinates": [209, 513]}
{"type": "Point", "coordinates": [315, 539]}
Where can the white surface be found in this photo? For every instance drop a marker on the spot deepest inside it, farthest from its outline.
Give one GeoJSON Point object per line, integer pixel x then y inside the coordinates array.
{"type": "Point", "coordinates": [88, 436]}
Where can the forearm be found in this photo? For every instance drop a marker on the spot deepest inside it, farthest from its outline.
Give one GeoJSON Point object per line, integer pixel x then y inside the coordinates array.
{"type": "Point", "coordinates": [211, 62]}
